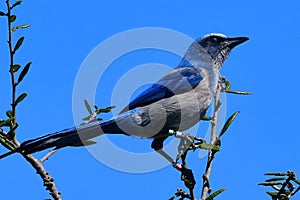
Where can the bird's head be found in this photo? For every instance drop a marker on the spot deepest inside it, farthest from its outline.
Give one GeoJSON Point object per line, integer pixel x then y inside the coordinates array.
{"type": "Point", "coordinates": [218, 46]}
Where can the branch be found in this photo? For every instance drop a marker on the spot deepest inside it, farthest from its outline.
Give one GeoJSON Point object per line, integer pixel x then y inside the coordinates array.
{"type": "Point", "coordinates": [47, 179]}
{"type": "Point", "coordinates": [8, 139]}
{"type": "Point", "coordinates": [211, 154]}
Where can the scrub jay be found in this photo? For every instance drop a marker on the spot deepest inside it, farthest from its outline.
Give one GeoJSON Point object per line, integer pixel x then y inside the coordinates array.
{"type": "Point", "coordinates": [176, 102]}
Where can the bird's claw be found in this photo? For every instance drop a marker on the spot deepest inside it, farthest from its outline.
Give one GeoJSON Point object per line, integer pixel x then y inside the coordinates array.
{"type": "Point", "coordinates": [222, 79]}
{"type": "Point", "coordinates": [177, 166]}
{"type": "Point", "coordinates": [187, 140]}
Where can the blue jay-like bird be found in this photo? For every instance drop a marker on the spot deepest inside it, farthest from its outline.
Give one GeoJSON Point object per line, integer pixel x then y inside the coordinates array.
{"type": "Point", "coordinates": [176, 102]}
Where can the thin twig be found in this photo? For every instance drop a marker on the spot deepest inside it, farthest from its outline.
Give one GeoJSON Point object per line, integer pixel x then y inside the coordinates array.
{"type": "Point", "coordinates": [11, 60]}
{"type": "Point", "coordinates": [50, 153]}
{"type": "Point", "coordinates": [206, 187]}
{"type": "Point", "coordinates": [11, 63]}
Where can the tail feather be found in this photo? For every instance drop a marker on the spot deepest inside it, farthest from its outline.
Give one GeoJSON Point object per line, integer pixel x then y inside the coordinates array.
{"type": "Point", "coordinates": [67, 137]}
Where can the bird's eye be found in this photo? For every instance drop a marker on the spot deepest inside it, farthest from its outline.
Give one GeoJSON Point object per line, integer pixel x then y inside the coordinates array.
{"type": "Point", "coordinates": [214, 39]}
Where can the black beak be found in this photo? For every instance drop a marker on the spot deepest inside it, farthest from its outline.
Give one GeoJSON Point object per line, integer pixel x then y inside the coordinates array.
{"type": "Point", "coordinates": [233, 42]}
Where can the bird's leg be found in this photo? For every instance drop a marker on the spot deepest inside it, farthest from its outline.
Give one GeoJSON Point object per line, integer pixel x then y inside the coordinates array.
{"type": "Point", "coordinates": [186, 141]}
{"type": "Point", "coordinates": [157, 145]}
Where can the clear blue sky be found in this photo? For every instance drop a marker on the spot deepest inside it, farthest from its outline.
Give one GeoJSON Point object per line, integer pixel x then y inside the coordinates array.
{"type": "Point", "coordinates": [264, 137]}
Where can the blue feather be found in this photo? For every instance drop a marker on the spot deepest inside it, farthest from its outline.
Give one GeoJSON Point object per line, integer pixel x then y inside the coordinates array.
{"type": "Point", "coordinates": [178, 81]}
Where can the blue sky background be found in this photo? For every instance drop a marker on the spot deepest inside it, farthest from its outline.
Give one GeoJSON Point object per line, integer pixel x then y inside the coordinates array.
{"type": "Point", "coordinates": [264, 137]}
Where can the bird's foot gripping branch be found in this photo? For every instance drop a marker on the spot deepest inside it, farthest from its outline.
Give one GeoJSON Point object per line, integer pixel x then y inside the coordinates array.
{"type": "Point", "coordinates": [190, 143]}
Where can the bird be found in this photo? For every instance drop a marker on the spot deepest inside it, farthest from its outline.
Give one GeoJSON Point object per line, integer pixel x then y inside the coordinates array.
{"type": "Point", "coordinates": [175, 103]}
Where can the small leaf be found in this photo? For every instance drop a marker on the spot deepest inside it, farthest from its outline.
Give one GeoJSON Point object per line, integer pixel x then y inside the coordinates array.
{"type": "Point", "coordinates": [297, 181]}
{"type": "Point", "coordinates": [106, 110]}
{"type": "Point", "coordinates": [84, 143]}
{"type": "Point", "coordinates": [2, 13]}
{"type": "Point", "coordinates": [206, 118]}
{"type": "Point", "coordinates": [6, 122]}
{"type": "Point", "coordinates": [238, 92]}
{"type": "Point", "coordinates": [19, 43]}
{"type": "Point", "coordinates": [228, 123]}
{"type": "Point", "coordinates": [96, 107]}
{"type": "Point", "coordinates": [173, 197]}
{"type": "Point", "coordinates": [9, 113]}
{"type": "Point", "coordinates": [275, 179]}
{"type": "Point", "coordinates": [14, 68]}
{"type": "Point", "coordinates": [88, 107]}
{"type": "Point", "coordinates": [206, 146]}
{"type": "Point", "coordinates": [20, 98]}
{"type": "Point", "coordinates": [227, 86]}
{"type": "Point", "coordinates": [20, 27]}
{"type": "Point", "coordinates": [16, 4]}
{"type": "Point", "coordinates": [270, 183]}
{"type": "Point", "coordinates": [272, 193]}
{"type": "Point", "coordinates": [216, 193]}
{"type": "Point", "coordinates": [12, 18]}
{"type": "Point", "coordinates": [86, 118]}
{"type": "Point", "coordinates": [6, 144]}
{"type": "Point", "coordinates": [276, 174]}
{"type": "Point", "coordinates": [24, 72]}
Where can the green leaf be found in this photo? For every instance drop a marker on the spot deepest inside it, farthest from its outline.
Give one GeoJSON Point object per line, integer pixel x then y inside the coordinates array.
{"type": "Point", "coordinates": [238, 92]}
{"type": "Point", "coordinates": [6, 144]}
{"type": "Point", "coordinates": [276, 174]}
{"type": "Point", "coordinates": [20, 27]}
{"type": "Point", "coordinates": [14, 68]}
{"type": "Point", "coordinates": [173, 197]}
{"type": "Point", "coordinates": [86, 118]}
{"type": "Point", "coordinates": [19, 43]}
{"type": "Point", "coordinates": [84, 143]}
{"type": "Point", "coordinates": [228, 123]}
{"type": "Point", "coordinates": [216, 193]}
{"type": "Point", "coordinates": [2, 13]}
{"type": "Point", "coordinates": [106, 110]}
{"type": "Point", "coordinates": [270, 183]}
{"type": "Point", "coordinates": [275, 179]}
{"type": "Point", "coordinates": [20, 98]}
{"type": "Point", "coordinates": [12, 18]}
{"type": "Point", "coordinates": [272, 193]}
{"type": "Point", "coordinates": [88, 107]}
{"type": "Point", "coordinates": [206, 146]}
{"type": "Point", "coordinates": [9, 113]}
{"type": "Point", "coordinates": [206, 118]}
{"type": "Point", "coordinates": [16, 4]}
{"type": "Point", "coordinates": [6, 122]}
{"type": "Point", "coordinates": [96, 107]}
{"type": "Point", "coordinates": [297, 181]}
{"type": "Point", "coordinates": [24, 72]}
{"type": "Point", "coordinates": [227, 86]}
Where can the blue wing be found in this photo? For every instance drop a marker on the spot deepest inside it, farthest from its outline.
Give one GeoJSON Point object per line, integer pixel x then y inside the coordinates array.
{"type": "Point", "coordinates": [178, 81]}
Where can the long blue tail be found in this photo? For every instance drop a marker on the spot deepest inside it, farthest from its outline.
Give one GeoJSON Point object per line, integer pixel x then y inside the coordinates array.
{"type": "Point", "coordinates": [67, 137]}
